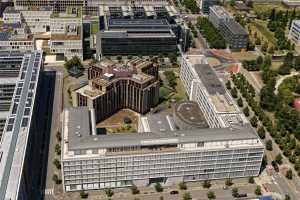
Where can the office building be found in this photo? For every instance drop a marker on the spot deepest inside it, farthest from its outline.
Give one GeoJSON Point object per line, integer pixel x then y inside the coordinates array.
{"type": "Point", "coordinates": [291, 3]}
{"type": "Point", "coordinates": [89, 6]}
{"type": "Point", "coordinates": [294, 33]}
{"type": "Point", "coordinates": [17, 144]}
{"type": "Point", "coordinates": [203, 86]}
{"type": "Point", "coordinates": [10, 63]}
{"type": "Point", "coordinates": [133, 85]}
{"type": "Point", "coordinates": [15, 36]}
{"type": "Point", "coordinates": [218, 14]}
{"type": "Point", "coordinates": [91, 161]}
{"type": "Point", "coordinates": [205, 5]}
{"type": "Point", "coordinates": [234, 34]}
{"type": "Point", "coordinates": [136, 42]}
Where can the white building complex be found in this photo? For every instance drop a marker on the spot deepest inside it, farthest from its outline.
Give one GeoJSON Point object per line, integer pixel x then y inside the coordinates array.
{"type": "Point", "coordinates": [161, 152]}
{"type": "Point", "coordinates": [294, 33]}
{"type": "Point", "coordinates": [63, 30]}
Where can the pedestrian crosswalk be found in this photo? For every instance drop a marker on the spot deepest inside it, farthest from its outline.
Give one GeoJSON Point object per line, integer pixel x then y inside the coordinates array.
{"type": "Point", "coordinates": [48, 191]}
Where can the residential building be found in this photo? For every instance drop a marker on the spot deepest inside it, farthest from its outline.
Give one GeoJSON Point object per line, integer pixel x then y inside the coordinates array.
{"type": "Point", "coordinates": [17, 143]}
{"type": "Point", "coordinates": [204, 86]}
{"type": "Point", "coordinates": [116, 86]}
{"type": "Point", "coordinates": [294, 33]}
{"type": "Point", "coordinates": [91, 161]}
{"type": "Point", "coordinates": [218, 14]}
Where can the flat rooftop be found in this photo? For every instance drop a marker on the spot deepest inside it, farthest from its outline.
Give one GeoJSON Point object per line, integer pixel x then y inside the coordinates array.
{"type": "Point", "coordinates": [138, 33]}
{"type": "Point", "coordinates": [209, 79]}
{"type": "Point", "coordinates": [190, 113]}
{"type": "Point", "coordinates": [75, 117]}
{"type": "Point", "coordinates": [136, 23]}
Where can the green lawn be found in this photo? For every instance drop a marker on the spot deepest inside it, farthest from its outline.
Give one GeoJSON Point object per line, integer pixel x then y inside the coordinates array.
{"type": "Point", "coordinates": [261, 27]}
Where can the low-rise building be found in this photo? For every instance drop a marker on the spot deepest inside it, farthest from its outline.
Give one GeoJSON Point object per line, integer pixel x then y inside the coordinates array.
{"type": "Point", "coordinates": [294, 33]}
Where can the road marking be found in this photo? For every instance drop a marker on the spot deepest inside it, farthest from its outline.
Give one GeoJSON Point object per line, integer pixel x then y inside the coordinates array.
{"type": "Point", "coordinates": [48, 191]}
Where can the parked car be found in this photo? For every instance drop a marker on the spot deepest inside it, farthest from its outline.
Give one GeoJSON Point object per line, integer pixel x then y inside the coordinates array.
{"type": "Point", "coordinates": [174, 192]}
{"type": "Point", "coordinates": [242, 195]}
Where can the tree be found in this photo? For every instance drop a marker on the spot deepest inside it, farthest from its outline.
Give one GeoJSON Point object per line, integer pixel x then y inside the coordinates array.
{"type": "Point", "coordinates": [158, 187]}
{"type": "Point", "coordinates": [211, 195]}
{"type": "Point", "coordinates": [84, 195]}
{"type": "Point", "coordinates": [240, 102]}
{"type": "Point", "coordinates": [134, 189]}
{"type": "Point", "coordinates": [259, 60]}
{"type": "Point", "coordinates": [269, 145]}
{"type": "Point", "coordinates": [234, 92]}
{"type": "Point", "coordinates": [182, 186]}
{"type": "Point", "coordinates": [187, 196]}
{"type": "Point", "coordinates": [235, 192]}
{"type": "Point", "coordinates": [289, 174]}
{"type": "Point", "coordinates": [206, 184]}
{"type": "Point", "coordinates": [57, 149]}
{"type": "Point", "coordinates": [278, 159]}
{"type": "Point", "coordinates": [58, 136]}
{"type": "Point", "coordinates": [109, 192]}
{"type": "Point", "coordinates": [57, 164]}
{"type": "Point", "coordinates": [257, 190]}
{"type": "Point", "coordinates": [56, 179]}
{"type": "Point", "coordinates": [287, 197]}
{"type": "Point", "coordinates": [251, 180]}
{"type": "Point", "coordinates": [261, 132]}
{"type": "Point", "coordinates": [228, 85]}
{"type": "Point", "coordinates": [246, 111]}
{"type": "Point", "coordinates": [254, 121]}
{"type": "Point", "coordinates": [228, 182]}
{"type": "Point", "coordinates": [73, 62]}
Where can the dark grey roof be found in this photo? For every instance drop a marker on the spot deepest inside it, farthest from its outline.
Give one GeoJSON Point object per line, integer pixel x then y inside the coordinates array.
{"type": "Point", "coordinates": [87, 141]}
{"type": "Point", "coordinates": [137, 23]}
{"type": "Point", "coordinates": [4, 36]}
{"type": "Point", "coordinates": [209, 79]}
{"type": "Point", "coordinates": [235, 27]}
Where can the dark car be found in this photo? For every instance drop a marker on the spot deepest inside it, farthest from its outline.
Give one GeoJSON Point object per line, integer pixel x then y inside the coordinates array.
{"type": "Point", "coordinates": [275, 166]}
{"type": "Point", "coordinates": [174, 192]}
{"type": "Point", "coordinates": [242, 195]}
